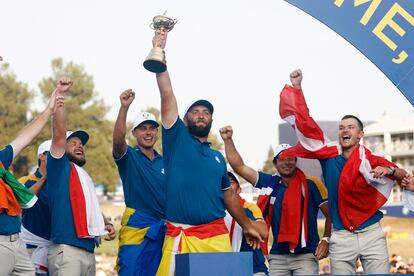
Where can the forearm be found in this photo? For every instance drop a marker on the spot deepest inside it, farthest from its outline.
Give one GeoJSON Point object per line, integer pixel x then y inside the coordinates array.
{"type": "Point", "coordinates": [328, 224]}
{"type": "Point", "coordinates": [169, 109]}
{"type": "Point", "coordinates": [106, 221]}
{"type": "Point", "coordinates": [29, 132]}
{"type": "Point", "coordinates": [399, 174]}
{"type": "Point", "coordinates": [261, 227]}
{"type": "Point", "coordinates": [236, 162]}
{"type": "Point", "coordinates": [37, 186]}
{"type": "Point", "coordinates": [118, 143]}
{"type": "Point", "coordinates": [58, 132]}
{"type": "Point", "coordinates": [235, 209]}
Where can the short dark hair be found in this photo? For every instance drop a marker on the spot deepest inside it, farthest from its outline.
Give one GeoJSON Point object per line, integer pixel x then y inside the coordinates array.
{"type": "Point", "coordinates": [360, 124]}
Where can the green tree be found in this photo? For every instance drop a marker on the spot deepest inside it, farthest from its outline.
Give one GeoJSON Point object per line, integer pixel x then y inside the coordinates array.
{"type": "Point", "coordinates": [15, 99]}
{"type": "Point", "coordinates": [268, 164]}
{"type": "Point", "coordinates": [84, 110]}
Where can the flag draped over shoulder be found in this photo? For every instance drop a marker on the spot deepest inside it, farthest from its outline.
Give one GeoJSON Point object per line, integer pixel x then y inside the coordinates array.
{"type": "Point", "coordinates": [87, 216]}
{"type": "Point", "coordinates": [13, 194]}
{"type": "Point", "coordinates": [359, 194]}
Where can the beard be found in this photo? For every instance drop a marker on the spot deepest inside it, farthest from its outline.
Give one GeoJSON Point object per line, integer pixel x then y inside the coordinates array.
{"type": "Point", "coordinates": [74, 159]}
{"type": "Point", "coordinates": [199, 131]}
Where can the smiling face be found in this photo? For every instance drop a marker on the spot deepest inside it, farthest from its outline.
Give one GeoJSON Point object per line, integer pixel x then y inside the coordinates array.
{"type": "Point", "coordinates": [286, 167]}
{"type": "Point", "coordinates": [350, 133]}
{"type": "Point", "coordinates": [146, 135]}
{"type": "Point", "coordinates": [75, 151]}
{"type": "Point", "coordinates": [198, 120]}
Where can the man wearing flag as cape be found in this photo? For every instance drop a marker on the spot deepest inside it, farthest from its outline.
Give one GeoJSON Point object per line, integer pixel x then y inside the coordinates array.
{"type": "Point", "coordinates": [358, 183]}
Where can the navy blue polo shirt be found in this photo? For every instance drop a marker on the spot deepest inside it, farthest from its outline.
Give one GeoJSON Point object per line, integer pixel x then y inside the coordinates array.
{"type": "Point", "coordinates": [8, 224]}
{"type": "Point", "coordinates": [143, 181]}
{"type": "Point", "coordinates": [62, 225]}
{"type": "Point", "coordinates": [316, 198]}
{"type": "Point", "coordinates": [196, 177]}
{"type": "Point", "coordinates": [332, 168]}
{"type": "Point", "coordinates": [37, 218]}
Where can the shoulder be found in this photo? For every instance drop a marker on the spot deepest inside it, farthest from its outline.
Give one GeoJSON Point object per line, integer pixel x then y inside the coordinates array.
{"type": "Point", "coordinates": [316, 184]}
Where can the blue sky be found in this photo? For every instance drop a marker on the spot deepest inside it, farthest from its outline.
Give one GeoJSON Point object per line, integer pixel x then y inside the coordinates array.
{"type": "Point", "coordinates": [238, 54]}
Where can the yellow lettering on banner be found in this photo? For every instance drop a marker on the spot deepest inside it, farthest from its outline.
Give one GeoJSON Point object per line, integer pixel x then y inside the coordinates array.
{"type": "Point", "coordinates": [387, 20]}
{"type": "Point", "coordinates": [369, 12]}
{"type": "Point", "coordinates": [339, 2]}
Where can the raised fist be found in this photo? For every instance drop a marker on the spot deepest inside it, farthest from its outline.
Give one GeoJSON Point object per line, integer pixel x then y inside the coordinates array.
{"type": "Point", "coordinates": [127, 97]}
{"type": "Point", "coordinates": [63, 84]}
{"type": "Point", "coordinates": [296, 78]}
{"type": "Point", "coordinates": [226, 132]}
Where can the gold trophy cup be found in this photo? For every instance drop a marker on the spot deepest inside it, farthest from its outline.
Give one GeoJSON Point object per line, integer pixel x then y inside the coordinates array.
{"type": "Point", "coordinates": [155, 61]}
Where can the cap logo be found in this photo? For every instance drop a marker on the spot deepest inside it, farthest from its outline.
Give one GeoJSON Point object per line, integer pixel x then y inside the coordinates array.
{"type": "Point", "coordinates": [145, 115]}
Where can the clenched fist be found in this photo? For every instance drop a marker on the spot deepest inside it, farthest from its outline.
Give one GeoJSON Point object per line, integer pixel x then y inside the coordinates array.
{"type": "Point", "coordinates": [63, 84]}
{"type": "Point", "coordinates": [296, 78]}
{"type": "Point", "coordinates": [127, 97]}
{"type": "Point", "coordinates": [226, 132]}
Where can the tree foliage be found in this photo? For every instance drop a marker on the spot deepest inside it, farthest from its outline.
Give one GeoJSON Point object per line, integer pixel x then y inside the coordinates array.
{"type": "Point", "coordinates": [84, 110]}
{"type": "Point", "coordinates": [15, 100]}
{"type": "Point", "coordinates": [268, 166]}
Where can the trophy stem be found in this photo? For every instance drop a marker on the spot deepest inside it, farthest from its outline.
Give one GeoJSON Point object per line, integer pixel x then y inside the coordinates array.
{"type": "Point", "coordinates": [155, 61]}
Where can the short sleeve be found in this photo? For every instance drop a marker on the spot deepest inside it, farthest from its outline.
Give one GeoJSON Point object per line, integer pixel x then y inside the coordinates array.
{"type": "Point", "coordinates": [170, 137]}
{"type": "Point", "coordinates": [6, 156]}
{"type": "Point", "coordinates": [263, 180]}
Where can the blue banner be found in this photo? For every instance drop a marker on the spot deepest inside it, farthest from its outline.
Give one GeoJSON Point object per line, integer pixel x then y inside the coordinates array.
{"type": "Point", "coordinates": [383, 30]}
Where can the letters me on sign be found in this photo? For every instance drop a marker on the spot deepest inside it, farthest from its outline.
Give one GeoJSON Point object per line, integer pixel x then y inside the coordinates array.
{"type": "Point", "coordinates": [383, 30]}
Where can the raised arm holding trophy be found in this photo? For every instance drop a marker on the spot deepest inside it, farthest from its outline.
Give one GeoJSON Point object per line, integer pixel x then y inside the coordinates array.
{"type": "Point", "coordinates": [155, 61]}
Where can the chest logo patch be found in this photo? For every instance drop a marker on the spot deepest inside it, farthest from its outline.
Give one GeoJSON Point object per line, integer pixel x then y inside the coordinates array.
{"type": "Point", "coordinates": [162, 170]}
{"type": "Point", "coordinates": [217, 159]}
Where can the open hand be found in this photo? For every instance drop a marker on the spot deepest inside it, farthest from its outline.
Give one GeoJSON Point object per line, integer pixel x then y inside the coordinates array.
{"type": "Point", "coordinates": [253, 237]}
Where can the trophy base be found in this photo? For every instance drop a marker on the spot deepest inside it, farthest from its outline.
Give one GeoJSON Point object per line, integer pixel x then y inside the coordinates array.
{"type": "Point", "coordinates": [155, 66]}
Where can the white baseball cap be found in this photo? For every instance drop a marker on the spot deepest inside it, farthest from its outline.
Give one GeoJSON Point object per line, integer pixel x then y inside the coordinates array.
{"type": "Point", "coordinates": [44, 146]}
{"type": "Point", "coordinates": [82, 135]}
{"type": "Point", "coordinates": [281, 148]}
{"type": "Point", "coordinates": [199, 102]}
{"type": "Point", "coordinates": [232, 174]}
{"type": "Point", "coordinates": [144, 117]}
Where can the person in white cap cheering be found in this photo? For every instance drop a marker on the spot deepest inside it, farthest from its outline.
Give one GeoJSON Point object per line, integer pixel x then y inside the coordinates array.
{"type": "Point", "coordinates": [290, 202]}
{"type": "Point", "coordinates": [198, 188]}
{"type": "Point", "coordinates": [36, 220]}
{"type": "Point", "coordinates": [141, 169]}
{"type": "Point", "coordinates": [77, 222]}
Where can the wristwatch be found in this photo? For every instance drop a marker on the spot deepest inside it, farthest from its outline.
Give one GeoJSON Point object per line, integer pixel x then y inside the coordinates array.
{"type": "Point", "coordinates": [392, 171]}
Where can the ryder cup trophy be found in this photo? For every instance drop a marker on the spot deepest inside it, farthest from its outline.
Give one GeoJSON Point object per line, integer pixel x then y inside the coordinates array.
{"type": "Point", "coordinates": [155, 61]}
